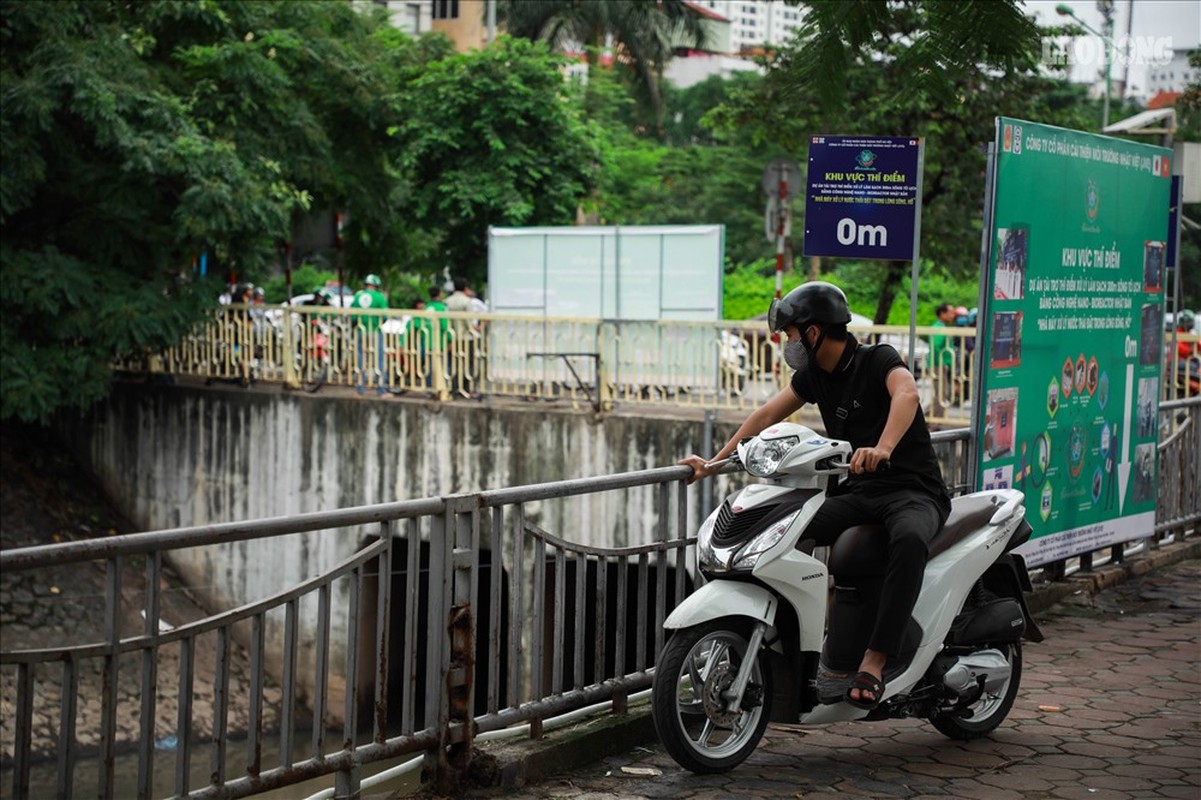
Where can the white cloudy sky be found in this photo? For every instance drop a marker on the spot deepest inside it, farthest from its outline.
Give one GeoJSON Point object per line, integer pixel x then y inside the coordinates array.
{"type": "Point", "coordinates": [1178, 19]}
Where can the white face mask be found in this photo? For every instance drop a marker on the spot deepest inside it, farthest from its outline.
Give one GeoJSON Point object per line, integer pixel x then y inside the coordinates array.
{"type": "Point", "coordinates": [796, 355]}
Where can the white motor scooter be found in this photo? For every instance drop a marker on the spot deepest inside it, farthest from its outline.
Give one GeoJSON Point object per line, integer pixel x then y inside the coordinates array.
{"type": "Point", "coordinates": [748, 647]}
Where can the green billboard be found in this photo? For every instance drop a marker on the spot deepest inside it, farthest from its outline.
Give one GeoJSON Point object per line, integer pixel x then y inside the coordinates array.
{"type": "Point", "coordinates": [1072, 333]}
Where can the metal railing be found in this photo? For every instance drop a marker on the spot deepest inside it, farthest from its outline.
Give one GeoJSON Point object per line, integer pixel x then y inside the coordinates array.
{"type": "Point", "coordinates": [486, 621]}
{"type": "Point", "coordinates": [587, 362]}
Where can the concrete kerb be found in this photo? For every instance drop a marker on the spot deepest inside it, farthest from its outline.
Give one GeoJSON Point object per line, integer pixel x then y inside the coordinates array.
{"type": "Point", "coordinates": [514, 764]}
{"type": "Point", "coordinates": [1046, 595]}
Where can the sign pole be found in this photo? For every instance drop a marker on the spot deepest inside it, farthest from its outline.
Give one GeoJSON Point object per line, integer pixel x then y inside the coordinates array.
{"type": "Point", "coordinates": [781, 180]}
{"type": "Point", "coordinates": [976, 441]}
{"type": "Point", "coordinates": [780, 235]}
{"type": "Point", "coordinates": [917, 247]}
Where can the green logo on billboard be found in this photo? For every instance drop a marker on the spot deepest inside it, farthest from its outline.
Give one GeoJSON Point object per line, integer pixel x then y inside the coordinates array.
{"type": "Point", "coordinates": [1092, 199]}
{"type": "Point", "coordinates": [865, 158]}
{"type": "Point", "coordinates": [1075, 451]}
{"type": "Point", "coordinates": [1053, 397]}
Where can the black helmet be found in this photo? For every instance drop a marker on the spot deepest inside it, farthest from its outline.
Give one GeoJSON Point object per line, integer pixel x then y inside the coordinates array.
{"type": "Point", "coordinates": [815, 301]}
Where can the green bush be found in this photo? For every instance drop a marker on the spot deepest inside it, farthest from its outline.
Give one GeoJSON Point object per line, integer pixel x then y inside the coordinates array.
{"type": "Point", "coordinates": [748, 289]}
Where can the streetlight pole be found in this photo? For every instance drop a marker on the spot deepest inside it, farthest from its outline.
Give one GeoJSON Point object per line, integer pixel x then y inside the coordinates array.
{"type": "Point", "coordinates": [1066, 11]}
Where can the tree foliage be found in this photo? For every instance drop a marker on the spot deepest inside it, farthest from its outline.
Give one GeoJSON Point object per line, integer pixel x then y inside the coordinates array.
{"type": "Point", "coordinates": [489, 137]}
{"type": "Point", "coordinates": [955, 38]}
{"type": "Point", "coordinates": [883, 97]}
{"type": "Point", "coordinates": [644, 33]}
{"type": "Point", "coordinates": [699, 176]}
{"type": "Point", "coordinates": [138, 136]}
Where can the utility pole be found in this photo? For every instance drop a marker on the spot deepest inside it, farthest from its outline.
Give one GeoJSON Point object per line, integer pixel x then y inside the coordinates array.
{"type": "Point", "coordinates": [1106, 9]}
{"type": "Point", "coordinates": [1126, 66]}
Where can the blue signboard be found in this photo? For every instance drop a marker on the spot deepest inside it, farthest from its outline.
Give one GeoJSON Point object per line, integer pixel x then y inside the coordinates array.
{"type": "Point", "coordinates": [862, 199]}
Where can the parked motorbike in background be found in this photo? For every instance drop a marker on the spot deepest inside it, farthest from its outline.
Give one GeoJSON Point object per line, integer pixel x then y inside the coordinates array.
{"type": "Point", "coordinates": [751, 646]}
{"type": "Point", "coordinates": [735, 362]}
{"type": "Point", "coordinates": [314, 355]}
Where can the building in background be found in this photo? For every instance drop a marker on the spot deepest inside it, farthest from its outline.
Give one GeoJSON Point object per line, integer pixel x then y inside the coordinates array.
{"type": "Point", "coordinates": [414, 17]}
{"type": "Point", "coordinates": [461, 20]}
{"type": "Point", "coordinates": [735, 30]}
{"type": "Point", "coordinates": [719, 57]}
{"type": "Point", "coordinates": [1173, 76]}
{"type": "Point", "coordinates": [756, 24]}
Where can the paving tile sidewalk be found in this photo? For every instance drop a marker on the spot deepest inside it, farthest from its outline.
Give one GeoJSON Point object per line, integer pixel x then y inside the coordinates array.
{"type": "Point", "coordinates": [1110, 708]}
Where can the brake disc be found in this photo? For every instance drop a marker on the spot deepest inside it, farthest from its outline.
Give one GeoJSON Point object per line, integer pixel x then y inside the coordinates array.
{"type": "Point", "coordinates": [717, 708]}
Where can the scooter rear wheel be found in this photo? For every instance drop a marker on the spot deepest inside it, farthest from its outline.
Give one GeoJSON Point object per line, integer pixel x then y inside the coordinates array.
{"type": "Point", "coordinates": [990, 710]}
{"type": "Point", "coordinates": [690, 714]}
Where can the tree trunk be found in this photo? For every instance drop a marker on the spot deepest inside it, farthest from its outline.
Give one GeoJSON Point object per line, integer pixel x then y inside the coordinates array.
{"type": "Point", "coordinates": [894, 273]}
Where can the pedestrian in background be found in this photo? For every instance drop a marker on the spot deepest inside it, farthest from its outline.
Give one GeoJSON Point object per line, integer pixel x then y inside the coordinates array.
{"type": "Point", "coordinates": [468, 334]}
{"type": "Point", "coordinates": [942, 362]}
{"type": "Point", "coordinates": [370, 337]}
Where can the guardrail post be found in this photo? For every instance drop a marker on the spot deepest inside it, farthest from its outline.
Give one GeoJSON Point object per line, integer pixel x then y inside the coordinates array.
{"type": "Point", "coordinates": [455, 719]}
{"type": "Point", "coordinates": [441, 385]}
{"type": "Point", "coordinates": [346, 784]}
{"type": "Point", "coordinates": [604, 389]}
{"type": "Point", "coordinates": [291, 348]}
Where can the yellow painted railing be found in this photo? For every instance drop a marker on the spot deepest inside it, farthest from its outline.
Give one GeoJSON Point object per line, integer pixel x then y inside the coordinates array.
{"type": "Point", "coordinates": [587, 362]}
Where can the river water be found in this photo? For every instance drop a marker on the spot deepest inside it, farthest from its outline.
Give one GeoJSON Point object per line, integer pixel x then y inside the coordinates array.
{"type": "Point", "coordinates": [43, 776]}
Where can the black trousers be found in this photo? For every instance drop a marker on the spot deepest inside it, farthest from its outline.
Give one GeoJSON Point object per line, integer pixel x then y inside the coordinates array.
{"type": "Point", "coordinates": [911, 518]}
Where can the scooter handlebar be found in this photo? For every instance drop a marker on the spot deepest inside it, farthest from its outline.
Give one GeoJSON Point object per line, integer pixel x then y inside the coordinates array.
{"type": "Point", "coordinates": [731, 459]}
{"type": "Point", "coordinates": [845, 466]}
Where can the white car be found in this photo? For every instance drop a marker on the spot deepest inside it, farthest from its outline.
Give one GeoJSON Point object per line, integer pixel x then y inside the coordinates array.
{"type": "Point", "coordinates": [307, 299]}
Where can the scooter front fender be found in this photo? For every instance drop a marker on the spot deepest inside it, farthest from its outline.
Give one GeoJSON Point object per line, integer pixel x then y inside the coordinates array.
{"type": "Point", "coordinates": [724, 599]}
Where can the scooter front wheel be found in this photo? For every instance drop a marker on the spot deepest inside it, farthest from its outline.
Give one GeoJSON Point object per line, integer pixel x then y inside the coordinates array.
{"type": "Point", "coordinates": [694, 720]}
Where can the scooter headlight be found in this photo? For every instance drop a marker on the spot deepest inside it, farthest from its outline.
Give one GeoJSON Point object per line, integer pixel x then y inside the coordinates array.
{"type": "Point", "coordinates": [748, 555]}
{"type": "Point", "coordinates": [706, 553]}
{"type": "Point", "coordinates": [763, 457]}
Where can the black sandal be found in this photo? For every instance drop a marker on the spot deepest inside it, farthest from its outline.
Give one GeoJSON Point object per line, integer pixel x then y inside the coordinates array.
{"type": "Point", "coordinates": [866, 682]}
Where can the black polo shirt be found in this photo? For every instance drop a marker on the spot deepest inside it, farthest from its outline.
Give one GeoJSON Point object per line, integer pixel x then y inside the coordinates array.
{"type": "Point", "coordinates": [854, 403]}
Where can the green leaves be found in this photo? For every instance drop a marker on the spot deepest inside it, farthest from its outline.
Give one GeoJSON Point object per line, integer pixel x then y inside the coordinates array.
{"type": "Point", "coordinates": [489, 138]}
{"type": "Point", "coordinates": [935, 43]}
{"type": "Point", "coordinates": [136, 136]}
{"type": "Point", "coordinates": [939, 69]}
{"type": "Point", "coordinates": [644, 34]}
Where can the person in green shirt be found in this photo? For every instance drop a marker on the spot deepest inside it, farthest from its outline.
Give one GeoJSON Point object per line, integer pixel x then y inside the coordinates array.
{"type": "Point", "coordinates": [435, 303]}
{"type": "Point", "coordinates": [942, 361]}
{"type": "Point", "coordinates": [369, 334]}
{"type": "Point", "coordinates": [425, 332]}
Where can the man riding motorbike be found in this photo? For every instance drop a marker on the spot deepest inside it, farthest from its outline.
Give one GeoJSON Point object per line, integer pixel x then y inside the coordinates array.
{"type": "Point", "coordinates": [867, 396]}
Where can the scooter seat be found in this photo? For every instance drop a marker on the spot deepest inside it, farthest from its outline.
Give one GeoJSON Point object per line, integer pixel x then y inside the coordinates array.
{"type": "Point", "coordinates": [968, 514]}
{"type": "Point", "coordinates": [862, 551]}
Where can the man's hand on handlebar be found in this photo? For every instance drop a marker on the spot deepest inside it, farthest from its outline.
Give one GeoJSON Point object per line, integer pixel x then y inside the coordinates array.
{"type": "Point", "coordinates": [869, 459]}
{"type": "Point", "coordinates": [699, 470]}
